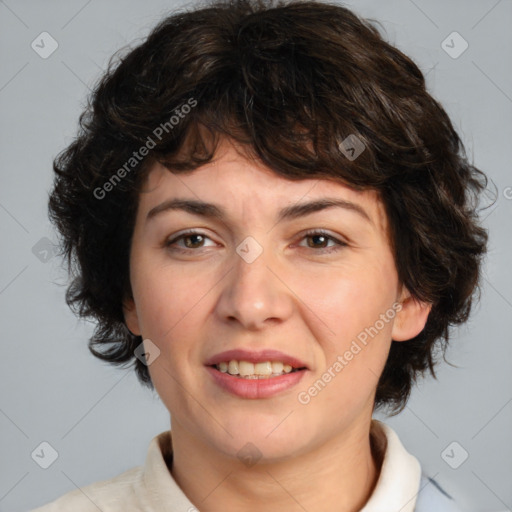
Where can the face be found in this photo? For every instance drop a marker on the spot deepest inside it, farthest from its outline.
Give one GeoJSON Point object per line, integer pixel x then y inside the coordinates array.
{"type": "Point", "coordinates": [310, 284]}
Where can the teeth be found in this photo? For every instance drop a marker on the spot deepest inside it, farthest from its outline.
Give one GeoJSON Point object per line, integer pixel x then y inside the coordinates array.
{"type": "Point", "coordinates": [248, 370]}
{"type": "Point", "coordinates": [233, 368]}
{"type": "Point", "coordinates": [277, 367]}
{"type": "Point", "coordinates": [245, 368]}
{"type": "Point", "coordinates": [263, 368]}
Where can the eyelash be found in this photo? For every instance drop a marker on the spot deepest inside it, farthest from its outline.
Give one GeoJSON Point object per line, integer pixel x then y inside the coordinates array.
{"type": "Point", "coordinates": [339, 244]}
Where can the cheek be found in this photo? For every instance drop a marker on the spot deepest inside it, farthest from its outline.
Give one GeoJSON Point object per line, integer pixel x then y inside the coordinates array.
{"type": "Point", "coordinates": [165, 298]}
{"type": "Point", "coordinates": [347, 300]}
{"type": "Point", "coordinates": [169, 305]}
{"type": "Point", "coordinates": [353, 339]}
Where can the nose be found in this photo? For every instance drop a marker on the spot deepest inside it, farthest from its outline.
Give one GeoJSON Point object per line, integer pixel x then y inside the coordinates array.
{"type": "Point", "coordinates": [255, 294]}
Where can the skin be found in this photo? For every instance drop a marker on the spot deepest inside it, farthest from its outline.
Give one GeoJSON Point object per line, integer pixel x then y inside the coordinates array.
{"type": "Point", "coordinates": [295, 298]}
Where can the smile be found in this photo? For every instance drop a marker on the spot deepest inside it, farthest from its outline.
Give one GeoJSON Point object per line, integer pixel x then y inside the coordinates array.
{"type": "Point", "coordinates": [247, 370]}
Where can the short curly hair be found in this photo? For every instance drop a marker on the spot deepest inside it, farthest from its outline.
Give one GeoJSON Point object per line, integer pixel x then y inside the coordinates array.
{"type": "Point", "coordinates": [290, 81]}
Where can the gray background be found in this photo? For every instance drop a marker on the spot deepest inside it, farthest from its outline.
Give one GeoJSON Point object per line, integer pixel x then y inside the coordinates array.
{"type": "Point", "coordinates": [98, 418]}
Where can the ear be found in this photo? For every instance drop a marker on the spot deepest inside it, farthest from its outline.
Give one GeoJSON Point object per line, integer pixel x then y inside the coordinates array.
{"type": "Point", "coordinates": [411, 318]}
{"type": "Point", "coordinates": [130, 316]}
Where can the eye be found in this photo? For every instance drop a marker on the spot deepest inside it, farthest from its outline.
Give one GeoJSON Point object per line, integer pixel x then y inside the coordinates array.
{"type": "Point", "coordinates": [320, 237]}
{"type": "Point", "coordinates": [196, 238]}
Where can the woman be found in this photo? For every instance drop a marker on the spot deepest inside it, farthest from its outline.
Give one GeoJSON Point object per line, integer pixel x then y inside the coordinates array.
{"type": "Point", "coordinates": [274, 220]}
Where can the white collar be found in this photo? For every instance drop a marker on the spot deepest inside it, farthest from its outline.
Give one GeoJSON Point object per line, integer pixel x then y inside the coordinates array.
{"type": "Point", "coordinates": [399, 480]}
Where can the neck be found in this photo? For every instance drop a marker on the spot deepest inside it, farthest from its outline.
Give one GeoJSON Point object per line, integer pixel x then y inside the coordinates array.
{"type": "Point", "coordinates": [338, 476]}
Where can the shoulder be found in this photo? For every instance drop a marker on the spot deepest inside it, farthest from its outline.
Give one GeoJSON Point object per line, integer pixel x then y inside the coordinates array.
{"type": "Point", "coordinates": [433, 498]}
{"type": "Point", "coordinates": [105, 495]}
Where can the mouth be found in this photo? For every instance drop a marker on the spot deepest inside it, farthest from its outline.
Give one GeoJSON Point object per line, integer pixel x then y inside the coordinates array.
{"type": "Point", "coordinates": [255, 375]}
{"type": "Point", "coordinates": [263, 364]}
{"type": "Point", "coordinates": [242, 369]}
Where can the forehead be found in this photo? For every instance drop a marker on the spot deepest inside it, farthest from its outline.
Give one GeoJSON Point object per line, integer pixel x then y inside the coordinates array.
{"type": "Point", "coordinates": [245, 187]}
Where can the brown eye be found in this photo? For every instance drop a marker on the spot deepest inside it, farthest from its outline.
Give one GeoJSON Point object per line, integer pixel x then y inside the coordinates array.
{"type": "Point", "coordinates": [192, 240]}
{"type": "Point", "coordinates": [320, 238]}
{"type": "Point", "coordinates": [196, 239]}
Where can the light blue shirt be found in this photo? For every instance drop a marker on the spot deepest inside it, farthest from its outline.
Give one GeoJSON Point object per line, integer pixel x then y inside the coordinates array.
{"type": "Point", "coordinates": [433, 498]}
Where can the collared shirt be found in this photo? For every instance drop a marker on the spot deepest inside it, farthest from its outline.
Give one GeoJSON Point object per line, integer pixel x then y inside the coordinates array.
{"type": "Point", "coordinates": [401, 487]}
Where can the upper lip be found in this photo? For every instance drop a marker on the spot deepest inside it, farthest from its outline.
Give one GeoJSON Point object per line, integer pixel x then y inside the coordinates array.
{"type": "Point", "coordinates": [252, 356]}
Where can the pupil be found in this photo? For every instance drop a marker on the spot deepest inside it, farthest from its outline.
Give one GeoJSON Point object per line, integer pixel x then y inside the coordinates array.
{"type": "Point", "coordinates": [318, 236]}
{"type": "Point", "coordinates": [189, 237]}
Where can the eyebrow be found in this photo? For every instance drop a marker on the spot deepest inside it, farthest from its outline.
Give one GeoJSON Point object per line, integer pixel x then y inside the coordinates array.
{"type": "Point", "coordinates": [213, 211]}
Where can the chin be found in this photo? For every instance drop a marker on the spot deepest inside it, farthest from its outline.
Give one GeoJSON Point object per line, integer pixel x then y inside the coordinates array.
{"type": "Point", "coordinates": [267, 439]}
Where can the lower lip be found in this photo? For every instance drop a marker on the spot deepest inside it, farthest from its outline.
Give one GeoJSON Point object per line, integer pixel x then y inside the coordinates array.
{"type": "Point", "coordinates": [255, 388]}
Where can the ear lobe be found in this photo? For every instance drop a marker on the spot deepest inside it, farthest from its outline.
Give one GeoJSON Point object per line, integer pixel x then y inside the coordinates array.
{"type": "Point", "coordinates": [410, 319]}
{"type": "Point", "coordinates": [130, 317]}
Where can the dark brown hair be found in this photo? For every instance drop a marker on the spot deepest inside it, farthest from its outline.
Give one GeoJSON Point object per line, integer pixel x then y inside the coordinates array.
{"type": "Point", "coordinates": [291, 81]}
